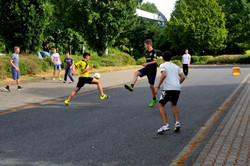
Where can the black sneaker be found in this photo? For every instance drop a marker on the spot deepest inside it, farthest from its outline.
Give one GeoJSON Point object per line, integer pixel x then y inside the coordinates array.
{"type": "Point", "coordinates": [129, 87]}
{"type": "Point", "coordinates": [7, 89]}
{"type": "Point", "coordinates": [19, 88]}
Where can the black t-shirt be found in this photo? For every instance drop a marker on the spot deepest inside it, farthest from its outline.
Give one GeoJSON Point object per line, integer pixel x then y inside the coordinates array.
{"type": "Point", "coordinates": [151, 56]}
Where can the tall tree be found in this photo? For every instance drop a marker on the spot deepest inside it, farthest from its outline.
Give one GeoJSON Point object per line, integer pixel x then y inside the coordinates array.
{"type": "Point", "coordinates": [23, 22]}
{"type": "Point", "coordinates": [197, 25]}
{"type": "Point", "coordinates": [101, 22]}
{"type": "Point", "coordinates": [237, 14]}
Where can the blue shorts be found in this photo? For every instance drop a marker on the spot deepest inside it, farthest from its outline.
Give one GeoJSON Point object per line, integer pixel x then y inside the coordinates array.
{"type": "Point", "coordinates": [15, 74]}
{"type": "Point", "coordinates": [57, 67]}
{"type": "Point", "coordinates": [151, 77]}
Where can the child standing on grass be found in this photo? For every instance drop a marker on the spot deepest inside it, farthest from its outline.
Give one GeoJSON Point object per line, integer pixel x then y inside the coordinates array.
{"type": "Point", "coordinates": [84, 78]}
{"type": "Point", "coordinates": [68, 65]}
{"type": "Point", "coordinates": [14, 61]}
{"type": "Point", "coordinates": [55, 58]}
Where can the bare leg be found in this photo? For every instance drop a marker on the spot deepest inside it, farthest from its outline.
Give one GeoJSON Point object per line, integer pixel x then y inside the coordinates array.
{"type": "Point", "coordinates": [99, 85]}
{"type": "Point", "coordinates": [18, 82]}
{"type": "Point", "coordinates": [163, 113]}
{"type": "Point", "coordinates": [10, 83]}
{"type": "Point", "coordinates": [73, 93]}
{"type": "Point", "coordinates": [59, 71]}
{"type": "Point", "coordinates": [175, 112]}
{"type": "Point", "coordinates": [137, 73]}
{"type": "Point", "coordinates": [153, 90]}
{"type": "Point", "coordinates": [54, 73]}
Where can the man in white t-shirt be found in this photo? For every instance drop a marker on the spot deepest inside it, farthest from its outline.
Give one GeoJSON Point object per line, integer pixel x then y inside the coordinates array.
{"type": "Point", "coordinates": [55, 58]}
{"type": "Point", "coordinates": [186, 59]}
{"type": "Point", "coordinates": [171, 77]}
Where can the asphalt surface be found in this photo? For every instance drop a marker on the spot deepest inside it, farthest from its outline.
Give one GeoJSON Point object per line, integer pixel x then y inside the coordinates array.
{"type": "Point", "coordinates": [117, 131]}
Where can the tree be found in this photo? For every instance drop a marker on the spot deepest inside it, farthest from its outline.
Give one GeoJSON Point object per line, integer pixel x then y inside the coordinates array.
{"type": "Point", "coordinates": [197, 25]}
{"type": "Point", "coordinates": [237, 14]}
{"type": "Point", "coordinates": [100, 22]}
{"type": "Point", "coordinates": [141, 30]}
{"type": "Point", "coordinates": [23, 23]}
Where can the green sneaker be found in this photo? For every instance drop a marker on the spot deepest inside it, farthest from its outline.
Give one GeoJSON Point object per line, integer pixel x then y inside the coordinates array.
{"type": "Point", "coordinates": [104, 97]}
{"type": "Point", "coordinates": [129, 87]}
{"type": "Point", "coordinates": [153, 103]}
{"type": "Point", "coordinates": [66, 102]}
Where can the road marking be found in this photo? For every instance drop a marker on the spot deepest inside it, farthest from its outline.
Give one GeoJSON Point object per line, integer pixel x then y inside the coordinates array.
{"type": "Point", "coordinates": [61, 98]}
{"type": "Point", "coordinates": [183, 155]}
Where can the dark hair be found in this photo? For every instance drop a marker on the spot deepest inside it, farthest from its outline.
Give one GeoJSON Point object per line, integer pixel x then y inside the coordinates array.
{"type": "Point", "coordinates": [167, 55]}
{"type": "Point", "coordinates": [67, 52]}
{"type": "Point", "coordinates": [148, 41]}
{"type": "Point", "coordinates": [86, 54]}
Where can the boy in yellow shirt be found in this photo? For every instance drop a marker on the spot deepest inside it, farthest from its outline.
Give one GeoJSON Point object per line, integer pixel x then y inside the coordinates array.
{"type": "Point", "coordinates": [84, 78]}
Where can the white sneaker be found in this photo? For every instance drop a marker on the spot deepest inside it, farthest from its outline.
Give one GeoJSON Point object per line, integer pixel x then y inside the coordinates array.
{"type": "Point", "coordinates": [163, 128]}
{"type": "Point", "coordinates": [177, 126]}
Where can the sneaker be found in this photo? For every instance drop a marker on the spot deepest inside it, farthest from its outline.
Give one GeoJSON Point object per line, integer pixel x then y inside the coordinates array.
{"type": "Point", "coordinates": [59, 79]}
{"type": "Point", "coordinates": [19, 88]}
{"type": "Point", "coordinates": [64, 81]}
{"type": "Point", "coordinates": [163, 128]}
{"type": "Point", "coordinates": [7, 89]}
{"type": "Point", "coordinates": [177, 126]}
{"type": "Point", "coordinates": [54, 79]}
{"type": "Point", "coordinates": [129, 87]}
{"type": "Point", "coordinates": [104, 97]}
{"type": "Point", "coordinates": [70, 82]}
{"type": "Point", "coordinates": [66, 102]}
{"type": "Point", "coordinates": [153, 103]}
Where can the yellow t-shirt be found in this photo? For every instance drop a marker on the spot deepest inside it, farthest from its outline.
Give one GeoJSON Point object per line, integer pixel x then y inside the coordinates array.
{"type": "Point", "coordinates": [81, 66]}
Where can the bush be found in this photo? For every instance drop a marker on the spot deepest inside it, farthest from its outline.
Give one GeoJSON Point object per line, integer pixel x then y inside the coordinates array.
{"type": "Point", "coordinates": [245, 59]}
{"type": "Point", "coordinates": [205, 59]}
{"type": "Point", "coordinates": [247, 52]}
{"type": "Point", "coordinates": [141, 61]}
{"type": "Point", "coordinates": [195, 59]}
{"type": "Point", "coordinates": [177, 57]}
{"type": "Point", "coordinates": [177, 62]}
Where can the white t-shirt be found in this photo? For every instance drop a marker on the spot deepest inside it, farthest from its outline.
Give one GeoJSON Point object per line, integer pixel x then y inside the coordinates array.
{"type": "Point", "coordinates": [186, 58]}
{"type": "Point", "coordinates": [55, 58]}
{"type": "Point", "coordinates": [172, 80]}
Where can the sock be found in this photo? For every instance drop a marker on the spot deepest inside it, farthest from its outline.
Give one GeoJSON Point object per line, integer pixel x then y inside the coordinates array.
{"type": "Point", "coordinates": [7, 86]}
{"type": "Point", "coordinates": [132, 85]}
{"type": "Point", "coordinates": [154, 98]}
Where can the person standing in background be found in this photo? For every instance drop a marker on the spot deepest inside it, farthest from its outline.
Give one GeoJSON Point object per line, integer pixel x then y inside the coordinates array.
{"type": "Point", "coordinates": [14, 61]}
{"type": "Point", "coordinates": [68, 66]}
{"type": "Point", "coordinates": [186, 59]}
{"type": "Point", "coordinates": [55, 58]}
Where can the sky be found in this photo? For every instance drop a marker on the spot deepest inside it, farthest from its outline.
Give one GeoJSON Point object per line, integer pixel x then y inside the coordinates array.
{"type": "Point", "coordinates": [164, 6]}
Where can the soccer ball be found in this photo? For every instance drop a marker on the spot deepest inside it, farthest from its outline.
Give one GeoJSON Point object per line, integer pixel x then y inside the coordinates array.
{"type": "Point", "coordinates": [97, 76]}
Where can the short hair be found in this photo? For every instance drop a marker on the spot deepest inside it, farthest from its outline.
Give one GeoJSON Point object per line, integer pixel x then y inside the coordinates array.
{"type": "Point", "coordinates": [86, 54]}
{"type": "Point", "coordinates": [148, 41]}
{"type": "Point", "coordinates": [67, 52]}
{"type": "Point", "coordinates": [167, 55]}
{"type": "Point", "coordinates": [16, 47]}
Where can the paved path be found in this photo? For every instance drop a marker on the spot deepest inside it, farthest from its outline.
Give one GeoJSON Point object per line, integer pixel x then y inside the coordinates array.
{"type": "Point", "coordinates": [230, 143]}
{"type": "Point", "coordinates": [72, 136]}
{"type": "Point", "coordinates": [41, 90]}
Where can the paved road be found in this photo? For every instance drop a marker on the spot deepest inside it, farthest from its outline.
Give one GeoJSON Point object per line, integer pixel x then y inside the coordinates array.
{"type": "Point", "coordinates": [118, 131]}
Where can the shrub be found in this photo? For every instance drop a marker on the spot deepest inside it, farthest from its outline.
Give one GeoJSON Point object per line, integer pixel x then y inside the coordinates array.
{"type": "Point", "coordinates": [141, 61]}
{"type": "Point", "coordinates": [177, 62]}
{"type": "Point", "coordinates": [247, 52]}
{"type": "Point", "coordinates": [177, 57]}
{"type": "Point", "coordinates": [205, 59]}
{"type": "Point", "coordinates": [244, 59]}
{"type": "Point", "coordinates": [195, 59]}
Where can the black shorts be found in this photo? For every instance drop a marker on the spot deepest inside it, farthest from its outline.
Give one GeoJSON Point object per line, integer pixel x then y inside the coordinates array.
{"type": "Point", "coordinates": [169, 95]}
{"type": "Point", "coordinates": [83, 80]}
{"type": "Point", "coordinates": [151, 77]}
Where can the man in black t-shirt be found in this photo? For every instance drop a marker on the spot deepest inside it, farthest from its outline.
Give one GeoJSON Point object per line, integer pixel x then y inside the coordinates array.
{"type": "Point", "coordinates": [150, 70]}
